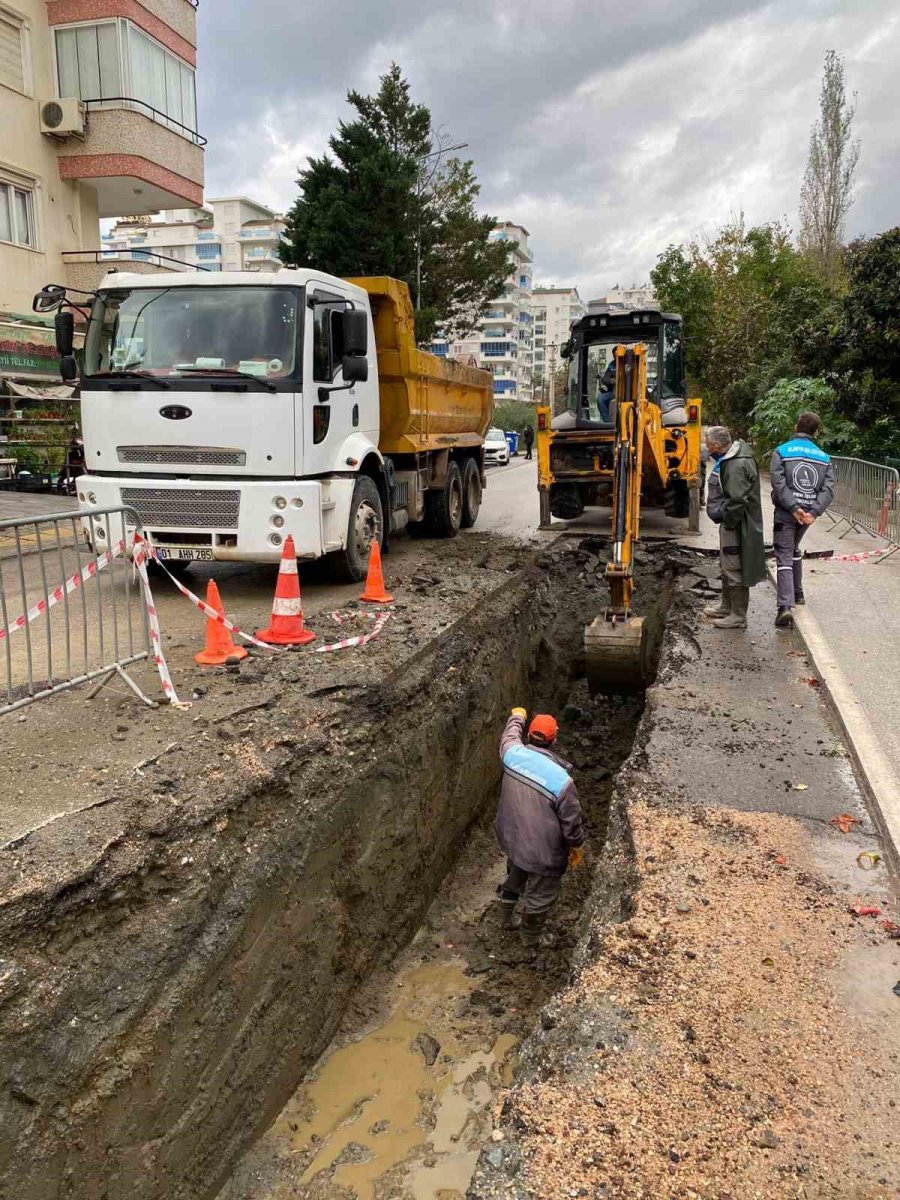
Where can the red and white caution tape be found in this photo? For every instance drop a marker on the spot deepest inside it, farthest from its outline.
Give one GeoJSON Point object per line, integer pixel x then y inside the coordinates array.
{"type": "Point", "coordinates": [380, 619]}
{"type": "Point", "coordinates": [140, 565]}
{"type": "Point", "coordinates": [860, 556]}
{"type": "Point", "coordinates": [65, 589]}
{"type": "Point", "coordinates": [220, 618]}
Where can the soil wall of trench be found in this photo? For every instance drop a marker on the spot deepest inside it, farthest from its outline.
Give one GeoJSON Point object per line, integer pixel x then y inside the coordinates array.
{"type": "Point", "coordinates": [157, 1011]}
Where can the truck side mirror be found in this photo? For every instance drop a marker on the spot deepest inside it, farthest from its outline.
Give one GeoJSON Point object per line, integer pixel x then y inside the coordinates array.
{"type": "Point", "coordinates": [49, 298]}
{"type": "Point", "coordinates": [354, 367]}
{"type": "Point", "coordinates": [356, 334]}
{"type": "Point", "coordinates": [68, 368]}
{"type": "Point", "coordinates": [65, 333]}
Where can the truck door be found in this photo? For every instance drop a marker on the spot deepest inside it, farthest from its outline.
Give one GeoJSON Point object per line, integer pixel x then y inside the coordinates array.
{"type": "Point", "coordinates": [330, 412]}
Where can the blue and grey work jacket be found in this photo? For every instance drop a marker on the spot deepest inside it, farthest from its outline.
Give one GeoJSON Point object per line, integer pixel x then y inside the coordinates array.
{"type": "Point", "coordinates": [802, 476]}
{"type": "Point", "coordinates": [539, 819]}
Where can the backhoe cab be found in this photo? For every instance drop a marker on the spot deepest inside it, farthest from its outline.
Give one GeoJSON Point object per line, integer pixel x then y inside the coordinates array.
{"type": "Point", "coordinates": [628, 437]}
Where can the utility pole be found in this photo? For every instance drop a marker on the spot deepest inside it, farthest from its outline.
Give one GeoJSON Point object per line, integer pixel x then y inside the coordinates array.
{"type": "Point", "coordinates": [438, 154]}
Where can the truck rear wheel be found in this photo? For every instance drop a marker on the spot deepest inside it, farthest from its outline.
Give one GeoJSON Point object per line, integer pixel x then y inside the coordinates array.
{"type": "Point", "coordinates": [366, 523]}
{"type": "Point", "coordinates": [445, 506]}
{"type": "Point", "coordinates": [471, 485]}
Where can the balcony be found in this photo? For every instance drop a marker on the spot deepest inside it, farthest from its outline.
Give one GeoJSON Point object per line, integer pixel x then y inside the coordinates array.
{"type": "Point", "coordinates": [85, 270]}
{"type": "Point", "coordinates": [137, 159]}
{"type": "Point", "coordinates": [258, 235]}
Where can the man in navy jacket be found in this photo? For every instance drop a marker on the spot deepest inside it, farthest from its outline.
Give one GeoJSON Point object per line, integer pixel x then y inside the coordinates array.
{"type": "Point", "coordinates": [802, 488]}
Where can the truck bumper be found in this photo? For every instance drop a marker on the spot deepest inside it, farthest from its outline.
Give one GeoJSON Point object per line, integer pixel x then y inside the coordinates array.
{"type": "Point", "coordinates": [226, 520]}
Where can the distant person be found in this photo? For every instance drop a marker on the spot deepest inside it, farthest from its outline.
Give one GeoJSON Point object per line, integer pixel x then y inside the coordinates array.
{"type": "Point", "coordinates": [539, 825]}
{"type": "Point", "coordinates": [529, 441]}
{"type": "Point", "coordinates": [802, 488]}
{"type": "Point", "coordinates": [607, 390]}
{"type": "Point", "coordinates": [733, 502]}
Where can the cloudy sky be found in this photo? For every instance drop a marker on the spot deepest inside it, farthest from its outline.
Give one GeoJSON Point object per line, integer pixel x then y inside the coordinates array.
{"type": "Point", "coordinates": [608, 129]}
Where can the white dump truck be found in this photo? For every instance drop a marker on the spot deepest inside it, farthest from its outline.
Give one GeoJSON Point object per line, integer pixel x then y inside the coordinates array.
{"type": "Point", "coordinates": [232, 409]}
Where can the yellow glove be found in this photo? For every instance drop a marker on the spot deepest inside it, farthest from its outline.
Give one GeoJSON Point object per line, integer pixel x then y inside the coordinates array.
{"type": "Point", "coordinates": [520, 712]}
{"type": "Point", "coordinates": [576, 856]}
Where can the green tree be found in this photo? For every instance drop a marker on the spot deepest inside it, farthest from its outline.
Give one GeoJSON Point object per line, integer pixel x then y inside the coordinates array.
{"type": "Point", "coordinates": [744, 294]}
{"type": "Point", "coordinates": [374, 206]}
{"type": "Point", "coordinates": [862, 357]}
{"type": "Point", "coordinates": [776, 415]}
{"type": "Point", "coordinates": [827, 191]}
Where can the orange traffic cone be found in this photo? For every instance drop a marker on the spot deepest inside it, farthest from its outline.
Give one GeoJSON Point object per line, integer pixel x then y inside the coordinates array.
{"type": "Point", "coordinates": [375, 593]}
{"type": "Point", "coordinates": [286, 626]}
{"type": "Point", "coordinates": [219, 647]}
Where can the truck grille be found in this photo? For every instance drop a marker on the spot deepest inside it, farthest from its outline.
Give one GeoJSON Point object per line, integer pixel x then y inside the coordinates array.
{"type": "Point", "coordinates": [184, 508]}
{"type": "Point", "coordinates": [197, 456]}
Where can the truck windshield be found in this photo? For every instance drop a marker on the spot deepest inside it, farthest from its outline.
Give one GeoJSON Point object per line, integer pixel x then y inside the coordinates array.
{"type": "Point", "coordinates": [163, 331]}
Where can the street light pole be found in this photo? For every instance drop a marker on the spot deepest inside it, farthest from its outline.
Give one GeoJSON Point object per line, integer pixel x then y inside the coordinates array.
{"type": "Point", "coordinates": [438, 154]}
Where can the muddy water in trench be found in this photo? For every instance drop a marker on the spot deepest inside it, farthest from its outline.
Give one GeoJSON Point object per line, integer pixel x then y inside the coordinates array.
{"type": "Point", "coordinates": [402, 1102]}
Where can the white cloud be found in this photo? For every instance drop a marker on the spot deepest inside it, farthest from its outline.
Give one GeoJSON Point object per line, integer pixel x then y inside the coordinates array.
{"type": "Point", "coordinates": [609, 131]}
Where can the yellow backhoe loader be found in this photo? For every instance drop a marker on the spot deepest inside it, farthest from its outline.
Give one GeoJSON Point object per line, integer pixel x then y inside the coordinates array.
{"type": "Point", "coordinates": [629, 436]}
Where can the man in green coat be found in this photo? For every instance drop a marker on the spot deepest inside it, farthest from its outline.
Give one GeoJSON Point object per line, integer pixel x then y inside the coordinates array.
{"type": "Point", "coordinates": [735, 505]}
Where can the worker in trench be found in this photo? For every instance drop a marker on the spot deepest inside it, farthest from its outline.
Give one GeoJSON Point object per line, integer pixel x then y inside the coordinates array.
{"type": "Point", "coordinates": [734, 503]}
{"type": "Point", "coordinates": [539, 825]}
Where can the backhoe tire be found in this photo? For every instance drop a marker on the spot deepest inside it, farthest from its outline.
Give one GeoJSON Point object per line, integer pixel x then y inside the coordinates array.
{"type": "Point", "coordinates": [471, 485]}
{"type": "Point", "coordinates": [566, 502]}
{"type": "Point", "coordinates": [365, 524]}
{"type": "Point", "coordinates": [444, 506]}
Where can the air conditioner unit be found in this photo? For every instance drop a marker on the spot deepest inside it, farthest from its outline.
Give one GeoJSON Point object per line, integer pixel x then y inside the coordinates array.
{"type": "Point", "coordinates": [62, 118]}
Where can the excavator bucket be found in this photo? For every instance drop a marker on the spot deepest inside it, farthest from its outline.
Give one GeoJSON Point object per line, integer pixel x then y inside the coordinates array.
{"type": "Point", "coordinates": [615, 655]}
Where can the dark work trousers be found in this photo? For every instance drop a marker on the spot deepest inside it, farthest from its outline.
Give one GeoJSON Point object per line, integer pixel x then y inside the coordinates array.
{"type": "Point", "coordinates": [730, 558]}
{"type": "Point", "coordinates": [786, 538]}
{"type": "Point", "coordinates": [528, 446]}
{"type": "Point", "coordinates": [540, 892]}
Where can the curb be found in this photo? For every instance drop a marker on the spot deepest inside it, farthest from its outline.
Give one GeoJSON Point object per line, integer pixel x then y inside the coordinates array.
{"type": "Point", "coordinates": [880, 785]}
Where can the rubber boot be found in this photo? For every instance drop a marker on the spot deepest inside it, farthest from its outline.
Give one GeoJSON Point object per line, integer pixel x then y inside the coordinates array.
{"type": "Point", "coordinates": [723, 608]}
{"type": "Point", "coordinates": [533, 933]}
{"type": "Point", "coordinates": [509, 918]}
{"type": "Point", "coordinates": [784, 619]}
{"type": "Point", "coordinates": [737, 619]}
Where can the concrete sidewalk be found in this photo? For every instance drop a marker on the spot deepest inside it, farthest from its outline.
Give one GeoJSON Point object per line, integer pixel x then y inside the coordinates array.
{"type": "Point", "coordinates": [849, 626]}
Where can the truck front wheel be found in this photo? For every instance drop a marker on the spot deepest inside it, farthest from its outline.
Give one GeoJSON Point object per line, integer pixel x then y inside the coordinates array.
{"type": "Point", "coordinates": [366, 524]}
{"type": "Point", "coordinates": [471, 485]}
{"type": "Point", "coordinates": [445, 506]}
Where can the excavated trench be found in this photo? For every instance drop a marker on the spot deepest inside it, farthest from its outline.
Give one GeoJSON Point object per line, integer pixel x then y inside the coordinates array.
{"type": "Point", "coordinates": [328, 1006]}
{"type": "Point", "coordinates": [399, 1106]}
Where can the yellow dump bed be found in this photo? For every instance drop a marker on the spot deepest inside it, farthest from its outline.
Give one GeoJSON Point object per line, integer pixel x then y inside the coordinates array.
{"type": "Point", "coordinates": [427, 402]}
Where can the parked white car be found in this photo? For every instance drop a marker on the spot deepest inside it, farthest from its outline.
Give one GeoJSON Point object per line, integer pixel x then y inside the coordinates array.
{"type": "Point", "coordinates": [496, 448]}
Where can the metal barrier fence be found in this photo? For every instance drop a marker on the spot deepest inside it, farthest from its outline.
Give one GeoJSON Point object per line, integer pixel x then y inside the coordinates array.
{"type": "Point", "coordinates": [867, 497]}
{"type": "Point", "coordinates": [70, 610]}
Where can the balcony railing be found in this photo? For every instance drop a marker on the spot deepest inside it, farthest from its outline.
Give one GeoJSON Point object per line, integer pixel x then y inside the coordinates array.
{"type": "Point", "coordinates": [148, 110]}
{"type": "Point", "coordinates": [163, 261]}
{"type": "Point", "coordinates": [259, 235]}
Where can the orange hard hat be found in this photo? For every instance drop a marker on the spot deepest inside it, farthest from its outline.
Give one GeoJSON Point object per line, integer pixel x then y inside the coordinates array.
{"type": "Point", "coordinates": [544, 727]}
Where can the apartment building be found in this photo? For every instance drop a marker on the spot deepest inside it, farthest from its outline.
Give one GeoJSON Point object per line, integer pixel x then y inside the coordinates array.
{"type": "Point", "coordinates": [553, 310]}
{"type": "Point", "coordinates": [637, 296]}
{"type": "Point", "coordinates": [229, 234]}
{"type": "Point", "coordinates": [502, 341]}
{"type": "Point", "coordinates": [97, 118]}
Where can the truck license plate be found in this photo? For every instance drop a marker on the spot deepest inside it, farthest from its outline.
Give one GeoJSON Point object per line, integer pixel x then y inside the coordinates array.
{"type": "Point", "coordinates": [182, 553]}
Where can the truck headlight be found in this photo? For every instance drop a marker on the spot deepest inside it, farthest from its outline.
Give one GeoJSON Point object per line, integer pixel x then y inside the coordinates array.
{"type": "Point", "coordinates": [278, 522]}
{"type": "Point", "coordinates": [92, 499]}
{"type": "Point", "coordinates": [276, 539]}
{"type": "Point", "coordinates": [280, 502]}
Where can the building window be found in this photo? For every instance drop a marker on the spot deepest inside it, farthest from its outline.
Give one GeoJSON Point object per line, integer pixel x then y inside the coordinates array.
{"type": "Point", "coordinates": [209, 250]}
{"type": "Point", "coordinates": [112, 59]}
{"type": "Point", "coordinates": [17, 215]}
{"type": "Point", "coordinates": [14, 59]}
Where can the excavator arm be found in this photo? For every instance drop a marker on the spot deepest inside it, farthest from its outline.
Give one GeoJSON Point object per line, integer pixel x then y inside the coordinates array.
{"type": "Point", "coordinates": [615, 643]}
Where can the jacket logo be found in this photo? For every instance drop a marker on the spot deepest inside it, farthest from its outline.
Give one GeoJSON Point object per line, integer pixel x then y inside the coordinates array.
{"type": "Point", "coordinates": [806, 478]}
{"type": "Point", "coordinates": [175, 412]}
